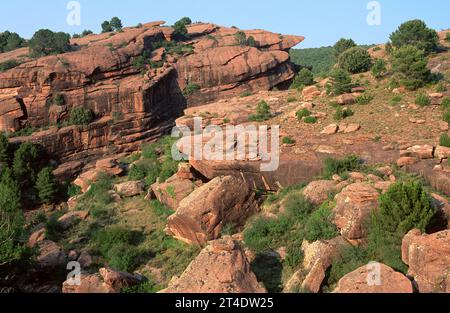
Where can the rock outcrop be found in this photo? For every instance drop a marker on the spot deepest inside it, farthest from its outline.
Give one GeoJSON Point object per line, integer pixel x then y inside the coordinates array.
{"type": "Point", "coordinates": [374, 278]}
{"type": "Point", "coordinates": [221, 267]}
{"type": "Point", "coordinates": [354, 206]}
{"type": "Point", "coordinates": [100, 74]}
{"type": "Point", "coordinates": [428, 257]}
{"type": "Point", "coordinates": [202, 215]}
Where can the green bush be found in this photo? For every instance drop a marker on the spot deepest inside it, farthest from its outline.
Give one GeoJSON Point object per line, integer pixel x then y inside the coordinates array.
{"type": "Point", "coordinates": [251, 42]}
{"type": "Point", "coordinates": [410, 64]}
{"type": "Point", "coordinates": [145, 288]}
{"type": "Point", "coordinates": [350, 259]}
{"type": "Point", "coordinates": [319, 225]}
{"type": "Point", "coordinates": [342, 45]}
{"type": "Point", "coordinates": [46, 186]}
{"type": "Point", "coordinates": [292, 99]}
{"type": "Point", "coordinates": [7, 65]}
{"type": "Point", "coordinates": [340, 82]}
{"type": "Point", "coordinates": [310, 120]}
{"type": "Point", "coordinates": [304, 78]}
{"type": "Point", "coordinates": [123, 257]}
{"type": "Point", "coordinates": [446, 103]}
{"type": "Point", "coordinates": [355, 60]}
{"type": "Point", "coordinates": [263, 233]}
{"type": "Point", "coordinates": [364, 99]}
{"type": "Point", "coordinates": [262, 112]}
{"type": "Point", "coordinates": [288, 140]}
{"type": "Point", "coordinates": [46, 42]}
{"type": "Point", "coordinates": [340, 166]}
{"type": "Point", "coordinates": [59, 99]}
{"type": "Point", "coordinates": [191, 89]}
{"type": "Point", "coordinates": [417, 34]}
{"type": "Point", "coordinates": [444, 140]}
{"type": "Point", "coordinates": [303, 113]}
{"type": "Point", "coordinates": [81, 116]}
{"type": "Point", "coordinates": [446, 116]}
{"type": "Point", "coordinates": [447, 37]}
{"type": "Point", "coordinates": [396, 100]}
{"type": "Point", "coordinates": [422, 100]}
{"type": "Point", "coordinates": [403, 207]}
{"type": "Point", "coordinates": [73, 190]}
{"type": "Point", "coordinates": [106, 27]}
{"type": "Point", "coordinates": [379, 68]}
{"type": "Point", "coordinates": [342, 113]}
{"type": "Point", "coordinates": [246, 94]}
{"type": "Point", "coordinates": [11, 219]}
{"type": "Point", "coordinates": [240, 38]}
{"type": "Point", "coordinates": [441, 88]}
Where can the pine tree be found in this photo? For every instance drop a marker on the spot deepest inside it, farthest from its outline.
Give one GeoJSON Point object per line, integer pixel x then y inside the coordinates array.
{"type": "Point", "coordinates": [25, 162]}
{"type": "Point", "coordinates": [46, 185]}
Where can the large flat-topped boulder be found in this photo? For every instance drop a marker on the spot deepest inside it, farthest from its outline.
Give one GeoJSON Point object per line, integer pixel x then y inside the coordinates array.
{"type": "Point", "coordinates": [221, 267]}
{"type": "Point", "coordinates": [203, 214]}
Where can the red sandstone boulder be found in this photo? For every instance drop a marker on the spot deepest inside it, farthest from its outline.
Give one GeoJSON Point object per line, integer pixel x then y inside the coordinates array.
{"type": "Point", "coordinates": [89, 283]}
{"type": "Point", "coordinates": [70, 219]}
{"type": "Point", "coordinates": [354, 206]}
{"type": "Point", "coordinates": [201, 216]}
{"type": "Point", "coordinates": [221, 267]}
{"type": "Point", "coordinates": [317, 192]}
{"type": "Point", "coordinates": [330, 129]}
{"type": "Point", "coordinates": [318, 257]}
{"type": "Point", "coordinates": [119, 280]}
{"type": "Point", "coordinates": [310, 92]}
{"type": "Point", "coordinates": [37, 236]}
{"type": "Point", "coordinates": [50, 256]}
{"type": "Point", "coordinates": [374, 278]}
{"type": "Point", "coordinates": [428, 257]}
{"type": "Point", "coordinates": [130, 188]}
{"type": "Point", "coordinates": [172, 191]}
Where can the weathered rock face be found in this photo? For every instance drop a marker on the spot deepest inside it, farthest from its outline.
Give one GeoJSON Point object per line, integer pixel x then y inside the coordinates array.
{"type": "Point", "coordinates": [353, 208]}
{"type": "Point", "coordinates": [99, 74]}
{"type": "Point", "coordinates": [428, 257]}
{"type": "Point", "coordinates": [201, 216]}
{"type": "Point", "coordinates": [317, 192]}
{"type": "Point", "coordinates": [374, 278]}
{"type": "Point", "coordinates": [221, 267]}
{"type": "Point", "coordinates": [105, 281]}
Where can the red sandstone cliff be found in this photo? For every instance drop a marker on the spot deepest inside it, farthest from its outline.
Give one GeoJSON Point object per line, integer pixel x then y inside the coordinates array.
{"type": "Point", "coordinates": [99, 74]}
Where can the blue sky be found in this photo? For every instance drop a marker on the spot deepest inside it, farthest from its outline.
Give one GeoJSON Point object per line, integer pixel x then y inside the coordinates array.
{"type": "Point", "coordinates": [322, 22]}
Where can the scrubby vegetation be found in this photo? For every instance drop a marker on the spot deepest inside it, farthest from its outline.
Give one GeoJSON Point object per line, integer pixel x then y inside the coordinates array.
{"type": "Point", "coordinates": [320, 60]}
{"type": "Point", "coordinates": [7, 65]}
{"type": "Point", "coordinates": [81, 116]}
{"type": "Point", "coordinates": [355, 60]}
{"type": "Point", "coordinates": [341, 166]}
{"type": "Point", "coordinates": [342, 113]}
{"type": "Point", "coordinates": [340, 82]}
{"type": "Point", "coordinates": [304, 78]}
{"type": "Point", "coordinates": [379, 68]}
{"type": "Point", "coordinates": [263, 113]}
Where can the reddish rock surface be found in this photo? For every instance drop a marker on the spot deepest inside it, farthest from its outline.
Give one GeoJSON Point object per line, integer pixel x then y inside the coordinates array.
{"type": "Point", "coordinates": [366, 280]}
{"type": "Point", "coordinates": [221, 267]}
{"type": "Point", "coordinates": [319, 191]}
{"type": "Point", "coordinates": [201, 216]}
{"type": "Point", "coordinates": [354, 206]}
{"type": "Point", "coordinates": [428, 257]}
{"type": "Point", "coordinates": [98, 74]}
{"type": "Point", "coordinates": [172, 191]}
